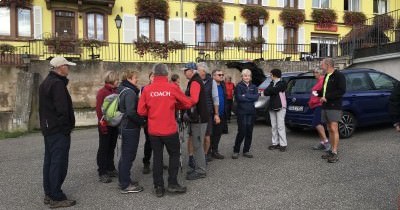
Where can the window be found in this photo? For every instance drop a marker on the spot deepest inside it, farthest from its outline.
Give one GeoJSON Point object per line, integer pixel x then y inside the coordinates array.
{"type": "Point", "coordinates": [160, 30]}
{"type": "Point", "coordinates": [152, 28]}
{"type": "Point", "coordinates": [214, 32]}
{"type": "Point", "coordinates": [16, 22]}
{"type": "Point", "coordinates": [291, 3]}
{"type": "Point", "coordinates": [352, 5]}
{"type": "Point", "coordinates": [253, 2]}
{"type": "Point", "coordinates": [300, 85]}
{"type": "Point", "coordinates": [207, 32]}
{"type": "Point", "coordinates": [320, 4]}
{"type": "Point", "coordinates": [322, 46]}
{"type": "Point", "coordinates": [382, 81]}
{"type": "Point", "coordinates": [95, 26]}
{"type": "Point", "coordinates": [380, 6]}
{"type": "Point", "coordinates": [5, 20]}
{"type": "Point", "coordinates": [252, 32]}
{"type": "Point", "coordinates": [290, 40]}
{"type": "Point", "coordinates": [357, 82]}
{"type": "Point", "coordinates": [144, 27]}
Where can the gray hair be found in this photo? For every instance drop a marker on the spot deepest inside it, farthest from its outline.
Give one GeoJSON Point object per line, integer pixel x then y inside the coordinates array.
{"type": "Point", "coordinates": [202, 65]}
{"type": "Point", "coordinates": [329, 62]}
{"type": "Point", "coordinates": [318, 70]}
{"type": "Point", "coordinates": [160, 69]}
{"type": "Point", "coordinates": [246, 72]}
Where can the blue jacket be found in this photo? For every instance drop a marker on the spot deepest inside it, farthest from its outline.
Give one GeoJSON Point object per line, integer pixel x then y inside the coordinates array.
{"type": "Point", "coordinates": [245, 97]}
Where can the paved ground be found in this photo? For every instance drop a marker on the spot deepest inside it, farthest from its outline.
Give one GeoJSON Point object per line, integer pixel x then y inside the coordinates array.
{"type": "Point", "coordinates": [366, 177]}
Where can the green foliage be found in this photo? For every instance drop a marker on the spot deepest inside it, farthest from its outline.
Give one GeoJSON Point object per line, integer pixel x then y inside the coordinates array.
{"type": "Point", "coordinates": [292, 18]}
{"type": "Point", "coordinates": [153, 8]}
{"type": "Point", "coordinates": [6, 48]}
{"type": "Point", "coordinates": [209, 12]}
{"type": "Point", "coordinates": [384, 22]}
{"type": "Point", "coordinates": [253, 13]}
{"type": "Point", "coordinates": [354, 18]}
{"type": "Point", "coordinates": [6, 135]}
{"type": "Point", "coordinates": [92, 43]}
{"type": "Point", "coordinates": [160, 50]}
{"type": "Point", "coordinates": [324, 17]}
{"type": "Point", "coordinates": [63, 44]}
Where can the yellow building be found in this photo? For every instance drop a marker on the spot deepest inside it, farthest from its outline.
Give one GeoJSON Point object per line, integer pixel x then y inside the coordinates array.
{"type": "Point", "coordinates": [25, 20]}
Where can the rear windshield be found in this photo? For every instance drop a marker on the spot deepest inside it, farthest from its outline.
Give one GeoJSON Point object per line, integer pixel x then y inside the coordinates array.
{"type": "Point", "coordinates": [300, 85]}
{"type": "Point", "coordinates": [265, 83]}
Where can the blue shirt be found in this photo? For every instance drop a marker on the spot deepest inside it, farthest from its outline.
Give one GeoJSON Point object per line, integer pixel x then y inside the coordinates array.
{"type": "Point", "coordinates": [221, 96]}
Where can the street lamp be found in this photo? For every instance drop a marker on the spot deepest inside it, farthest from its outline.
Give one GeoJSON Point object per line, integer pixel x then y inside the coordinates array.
{"type": "Point", "coordinates": [261, 21]}
{"type": "Point", "coordinates": [118, 22]}
{"type": "Point", "coordinates": [26, 60]}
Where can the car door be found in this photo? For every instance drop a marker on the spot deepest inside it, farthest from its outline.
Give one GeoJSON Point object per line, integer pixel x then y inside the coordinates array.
{"type": "Point", "coordinates": [383, 86]}
{"type": "Point", "coordinates": [298, 94]}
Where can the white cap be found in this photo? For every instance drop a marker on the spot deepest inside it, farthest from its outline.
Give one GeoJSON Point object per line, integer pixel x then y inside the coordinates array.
{"type": "Point", "coordinates": [59, 61]}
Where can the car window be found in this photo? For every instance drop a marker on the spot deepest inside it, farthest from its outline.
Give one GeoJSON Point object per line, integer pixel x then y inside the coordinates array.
{"type": "Point", "coordinates": [265, 83]}
{"type": "Point", "coordinates": [301, 85]}
{"type": "Point", "coordinates": [382, 81]}
{"type": "Point", "coordinates": [357, 82]}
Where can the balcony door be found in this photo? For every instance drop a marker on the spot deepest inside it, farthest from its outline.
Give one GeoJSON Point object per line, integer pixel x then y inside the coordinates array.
{"type": "Point", "coordinates": [65, 23]}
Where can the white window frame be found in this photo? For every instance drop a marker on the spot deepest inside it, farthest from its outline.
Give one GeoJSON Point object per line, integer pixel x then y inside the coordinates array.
{"type": "Point", "coordinates": [141, 24]}
{"type": "Point", "coordinates": [202, 34]}
{"type": "Point", "coordinates": [320, 4]}
{"type": "Point", "coordinates": [382, 6]}
{"type": "Point", "coordinates": [351, 4]}
{"type": "Point", "coordinates": [29, 32]}
{"type": "Point", "coordinates": [159, 35]}
{"type": "Point", "coordinates": [324, 40]}
{"type": "Point", "coordinates": [6, 24]}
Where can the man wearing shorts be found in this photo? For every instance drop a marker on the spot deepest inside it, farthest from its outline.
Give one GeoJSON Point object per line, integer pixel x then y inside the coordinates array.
{"type": "Point", "coordinates": [331, 97]}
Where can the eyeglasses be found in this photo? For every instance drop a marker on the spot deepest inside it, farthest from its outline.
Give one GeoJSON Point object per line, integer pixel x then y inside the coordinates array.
{"type": "Point", "coordinates": [221, 75]}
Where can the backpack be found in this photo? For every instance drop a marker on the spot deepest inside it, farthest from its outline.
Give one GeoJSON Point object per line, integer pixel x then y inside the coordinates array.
{"type": "Point", "coordinates": [109, 108]}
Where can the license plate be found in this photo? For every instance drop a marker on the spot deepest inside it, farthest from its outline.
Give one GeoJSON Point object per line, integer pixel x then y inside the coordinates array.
{"type": "Point", "coordinates": [296, 108]}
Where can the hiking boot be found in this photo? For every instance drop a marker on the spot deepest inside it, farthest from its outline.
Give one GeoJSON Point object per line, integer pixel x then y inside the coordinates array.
{"type": "Point", "coordinates": [318, 146]}
{"type": "Point", "coordinates": [248, 155]}
{"type": "Point", "coordinates": [208, 157]}
{"type": "Point", "coordinates": [46, 199]}
{"type": "Point", "coordinates": [176, 188]}
{"type": "Point", "coordinates": [282, 148]}
{"type": "Point", "coordinates": [272, 147]}
{"type": "Point", "coordinates": [216, 155]}
{"type": "Point", "coordinates": [61, 204]}
{"type": "Point", "coordinates": [191, 162]}
{"type": "Point", "coordinates": [334, 158]}
{"type": "Point", "coordinates": [159, 191]}
{"type": "Point", "coordinates": [235, 155]}
{"type": "Point", "coordinates": [195, 175]}
{"type": "Point", "coordinates": [328, 147]}
{"type": "Point", "coordinates": [113, 173]}
{"type": "Point", "coordinates": [327, 155]}
{"type": "Point", "coordinates": [146, 169]}
{"type": "Point", "coordinates": [105, 178]}
{"type": "Point", "coordinates": [132, 189]}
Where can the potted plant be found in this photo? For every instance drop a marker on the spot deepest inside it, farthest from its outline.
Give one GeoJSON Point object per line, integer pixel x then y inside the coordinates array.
{"type": "Point", "coordinates": [209, 12]}
{"type": "Point", "coordinates": [17, 2]}
{"type": "Point", "coordinates": [63, 44]}
{"type": "Point", "coordinates": [153, 8]}
{"type": "Point", "coordinates": [324, 17]}
{"type": "Point", "coordinates": [383, 22]}
{"type": "Point", "coordinates": [159, 50]}
{"type": "Point", "coordinates": [354, 18]}
{"type": "Point", "coordinates": [291, 18]}
{"type": "Point", "coordinates": [252, 14]}
{"type": "Point", "coordinates": [397, 31]}
{"type": "Point", "coordinates": [6, 48]}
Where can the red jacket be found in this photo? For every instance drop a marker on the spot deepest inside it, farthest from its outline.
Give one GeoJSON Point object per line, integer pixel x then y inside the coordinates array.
{"type": "Point", "coordinates": [315, 100]}
{"type": "Point", "coordinates": [230, 87]}
{"type": "Point", "coordinates": [158, 102]}
{"type": "Point", "coordinates": [101, 94]}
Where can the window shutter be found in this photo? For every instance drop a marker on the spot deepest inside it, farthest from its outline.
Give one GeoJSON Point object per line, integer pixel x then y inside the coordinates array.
{"type": "Point", "coordinates": [243, 31]}
{"type": "Point", "coordinates": [242, 2]}
{"type": "Point", "coordinates": [265, 2]}
{"type": "Point", "coordinates": [37, 21]}
{"type": "Point", "coordinates": [129, 28]}
{"type": "Point", "coordinates": [229, 1]}
{"type": "Point", "coordinates": [174, 29]}
{"type": "Point", "coordinates": [189, 36]}
{"type": "Point", "coordinates": [300, 40]}
{"type": "Point", "coordinates": [301, 4]}
{"type": "Point", "coordinates": [279, 38]}
{"type": "Point", "coordinates": [229, 31]}
{"type": "Point", "coordinates": [265, 36]}
{"type": "Point", "coordinates": [281, 3]}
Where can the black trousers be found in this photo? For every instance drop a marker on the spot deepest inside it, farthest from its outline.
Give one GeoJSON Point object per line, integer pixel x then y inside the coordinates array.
{"type": "Point", "coordinates": [105, 153]}
{"type": "Point", "coordinates": [229, 108]}
{"type": "Point", "coordinates": [129, 146]}
{"type": "Point", "coordinates": [216, 134]}
{"type": "Point", "coordinates": [245, 132]}
{"type": "Point", "coordinates": [147, 148]}
{"type": "Point", "coordinates": [55, 165]}
{"type": "Point", "coordinates": [173, 148]}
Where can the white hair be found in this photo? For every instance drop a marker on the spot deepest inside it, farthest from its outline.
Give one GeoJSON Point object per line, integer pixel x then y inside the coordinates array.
{"type": "Point", "coordinates": [246, 72]}
{"type": "Point", "coordinates": [202, 65]}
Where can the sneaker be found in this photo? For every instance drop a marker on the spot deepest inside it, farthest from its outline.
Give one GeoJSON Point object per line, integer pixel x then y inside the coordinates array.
{"type": "Point", "coordinates": [176, 188]}
{"type": "Point", "coordinates": [272, 147]}
{"type": "Point", "coordinates": [146, 169]}
{"type": "Point", "coordinates": [132, 189]}
{"type": "Point", "coordinates": [113, 173]}
{"type": "Point", "coordinates": [334, 158]}
{"type": "Point", "coordinates": [216, 155]}
{"type": "Point", "coordinates": [318, 146]}
{"type": "Point", "coordinates": [46, 199]}
{"type": "Point", "coordinates": [208, 157]}
{"type": "Point", "coordinates": [61, 204]}
{"type": "Point", "coordinates": [327, 155]}
{"type": "Point", "coordinates": [248, 155]}
{"type": "Point", "coordinates": [105, 178]}
{"type": "Point", "coordinates": [283, 148]}
{"type": "Point", "coordinates": [159, 191]}
{"type": "Point", "coordinates": [195, 175]}
{"type": "Point", "coordinates": [191, 162]}
{"type": "Point", "coordinates": [235, 155]}
{"type": "Point", "coordinates": [328, 147]}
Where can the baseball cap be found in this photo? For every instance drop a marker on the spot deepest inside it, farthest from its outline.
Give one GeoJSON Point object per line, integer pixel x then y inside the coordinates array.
{"type": "Point", "coordinates": [59, 61]}
{"type": "Point", "coordinates": [190, 65]}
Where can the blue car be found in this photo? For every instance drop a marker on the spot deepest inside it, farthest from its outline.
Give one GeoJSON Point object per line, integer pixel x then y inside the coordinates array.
{"type": "Point", "coordinates": [365, 102]}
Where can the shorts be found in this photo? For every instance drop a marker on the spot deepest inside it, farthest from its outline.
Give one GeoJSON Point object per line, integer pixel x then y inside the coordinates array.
{"type": "Point", "coordinates": [316, 117]}
{"type": "Point", "coordinates": [331, 115]}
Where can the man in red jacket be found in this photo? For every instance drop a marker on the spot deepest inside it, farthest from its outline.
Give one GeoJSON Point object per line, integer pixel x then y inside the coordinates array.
{"type": "Point", "coordinates": [158, 102]}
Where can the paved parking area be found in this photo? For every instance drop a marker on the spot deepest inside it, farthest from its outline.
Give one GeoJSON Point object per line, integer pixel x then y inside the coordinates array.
{"type": "Point", "coordinates": [366, 177]}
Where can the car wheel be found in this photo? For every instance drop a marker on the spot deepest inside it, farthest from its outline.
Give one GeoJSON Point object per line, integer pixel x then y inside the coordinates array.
{"type": "Point", "coordinates": [347, 125]}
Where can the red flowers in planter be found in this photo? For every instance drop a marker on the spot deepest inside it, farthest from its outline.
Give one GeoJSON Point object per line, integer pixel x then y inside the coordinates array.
{"type": "Point", "coordinates": [324, 17]}
{"type": "Point", "coordinates": [253, 13]}
{"type": "Point", "coordinates": [153, 8]}
{"type": "Point", "coordinates": [354, 18]}
{"type": "Point", "coordinates": [209, 13]}
{"type": "Point", "coordinates": [384, 22]}
{"type": "Point", "coordinates": [292, 18]}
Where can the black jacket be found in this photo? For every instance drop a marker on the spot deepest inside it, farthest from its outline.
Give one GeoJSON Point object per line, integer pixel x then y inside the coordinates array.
{"type": "Point", "coordinates": [272, 91]}
{"type": "Point", "coordinates": [55, 106]}
{"type": "Point", "coordinates": [394, 103]}
{"type": "Point", "coordinates": [199, 112]}
{"type": "Point", "coordinates": [335, 90]}
{"type": "Point", "coordinates": [245, 97]}
{"type": "Point", "coordinates": [128, 101]}
{"type": "Point", "coordinates": [208, 83]}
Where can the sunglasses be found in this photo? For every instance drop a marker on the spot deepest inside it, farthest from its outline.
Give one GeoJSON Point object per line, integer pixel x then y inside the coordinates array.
{"type": "Point", "coordinates": [221, 75]}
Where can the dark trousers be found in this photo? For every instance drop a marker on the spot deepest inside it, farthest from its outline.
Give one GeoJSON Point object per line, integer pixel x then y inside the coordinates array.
{"type": "Point", "coordinates": [129, 146]}
{"type": "Point", "coordinates": [105, 153]}
{"type": "Point", "coordinates": [55, 165]}
{"type": "Point", "coordinates": [216, 134]}
{"type": "Point", "coordinates": [173, 148]}
{"type": "Point", "coordinates": [147, 148]}
{"type": "Point", "coordinates": [245, 131]}
{"type": "Point", "coordinates": [229, 104]}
